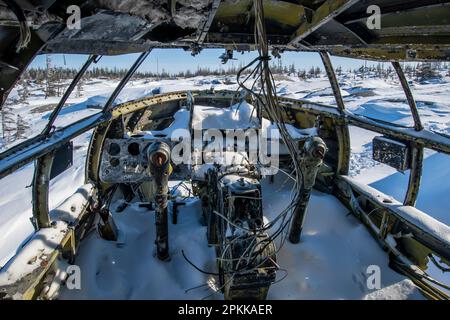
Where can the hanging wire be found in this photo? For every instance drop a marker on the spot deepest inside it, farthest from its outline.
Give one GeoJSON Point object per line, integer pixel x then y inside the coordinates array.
{"type": "Point", "coordinates": [265, 100]}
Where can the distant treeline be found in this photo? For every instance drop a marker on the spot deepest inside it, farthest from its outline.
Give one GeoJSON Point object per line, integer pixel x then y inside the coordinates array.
{"type": "Point", "coordinates": [416, 71]}
{"type": "Point", "coordinates": [55, 79]}
{"type": "Point", "coordinates": [58, 73]}
{"type": "Point", "coordinates": [383, 70]}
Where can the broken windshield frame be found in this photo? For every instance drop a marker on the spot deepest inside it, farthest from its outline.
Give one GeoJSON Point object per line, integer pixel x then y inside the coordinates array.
{"type": "Point", "coordinates": [55, 112]}
{"type": "Point", "coordinates": [90, 120]}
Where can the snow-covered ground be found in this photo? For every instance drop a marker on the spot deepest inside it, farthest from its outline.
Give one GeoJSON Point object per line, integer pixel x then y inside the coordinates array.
{"type": "Point", "coordinates": [330, 262]}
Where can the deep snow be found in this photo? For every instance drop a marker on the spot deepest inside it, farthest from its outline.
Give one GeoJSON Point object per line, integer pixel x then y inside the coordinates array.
{"type": "Point", "coordinates": [330, 262]}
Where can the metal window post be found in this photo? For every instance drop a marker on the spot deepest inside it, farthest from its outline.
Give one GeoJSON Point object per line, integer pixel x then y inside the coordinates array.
{"type": "Point", "coordinates": [81, 72]}
{"type": "Point", "coordinates": [415, 175]}
{"type": "Point", "coordinates": [409, 96]}
{"type": "Point", "coordinates": [333, 80]}
{"type": "Point", "coordinates": [342, 132]}
{"type": "Point", "coordinates": [109, 104]}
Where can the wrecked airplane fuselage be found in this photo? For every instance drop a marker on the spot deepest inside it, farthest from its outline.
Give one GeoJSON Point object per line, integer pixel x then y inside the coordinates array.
{"type": "Point", "coordinates": [122, 159]}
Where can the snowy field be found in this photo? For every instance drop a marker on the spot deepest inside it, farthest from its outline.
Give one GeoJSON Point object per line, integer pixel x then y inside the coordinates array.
{"type": "Point", "coordinates": [331, 261]}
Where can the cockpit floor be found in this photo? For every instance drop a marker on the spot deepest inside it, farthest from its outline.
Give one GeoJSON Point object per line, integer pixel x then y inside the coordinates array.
{"type": "Point", "coordinates": [336, 258]}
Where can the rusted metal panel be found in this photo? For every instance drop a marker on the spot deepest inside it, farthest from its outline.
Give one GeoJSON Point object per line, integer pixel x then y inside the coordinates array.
{"type": "Point", "coordinates": [63, 159]}
{"type": "Point", "coordinates": [393, 52]}
{"type": "Point", "coordinates": [327, 11]}
{"type": "Point", "coordinates": [391, 152]}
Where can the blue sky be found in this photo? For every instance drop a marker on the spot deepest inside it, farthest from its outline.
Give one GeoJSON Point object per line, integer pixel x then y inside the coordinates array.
{"type": "Point", "coordinates": [175, 60]}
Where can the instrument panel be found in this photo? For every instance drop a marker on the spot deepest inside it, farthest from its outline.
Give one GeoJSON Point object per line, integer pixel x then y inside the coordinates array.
{"type": "Point", "coordinates": [125, 160]}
